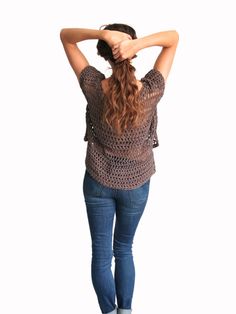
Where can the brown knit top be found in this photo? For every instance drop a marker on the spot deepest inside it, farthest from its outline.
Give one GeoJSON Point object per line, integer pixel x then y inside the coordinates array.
{"type": "Point", "coordinates": [126, 161]}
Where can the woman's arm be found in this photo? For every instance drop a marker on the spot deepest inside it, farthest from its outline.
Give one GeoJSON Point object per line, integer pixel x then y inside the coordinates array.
{"type": "Point", "coordinates": [166, 39]}
{"type": "Point", "coordinates": [71, 36]}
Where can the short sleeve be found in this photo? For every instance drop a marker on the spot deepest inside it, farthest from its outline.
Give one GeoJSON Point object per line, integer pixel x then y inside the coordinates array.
{"type": "Point", "coordinates": [154, 81]}
{"type": "Point", "coordinates": [90, 78]}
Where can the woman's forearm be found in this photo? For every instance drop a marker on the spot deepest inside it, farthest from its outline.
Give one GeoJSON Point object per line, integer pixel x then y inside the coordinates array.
{"type": "Point", "coordinates": [74, 35]}
{"type": "Point", "coordinates": [163, 39]}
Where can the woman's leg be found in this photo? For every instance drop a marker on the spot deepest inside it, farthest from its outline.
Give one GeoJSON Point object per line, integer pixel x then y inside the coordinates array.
{"type": "Point", "coordinates": [130, 207]}
{"type": "Point", "coordinates": [100, 213]}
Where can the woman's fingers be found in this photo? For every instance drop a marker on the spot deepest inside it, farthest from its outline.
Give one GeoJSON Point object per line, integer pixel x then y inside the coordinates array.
{"type": "Point", "coordinates": [120, 50]}
{"type": "Point", "coordinates": [115, 52]}
{"type": "Point", "coordinates": [115, 48]}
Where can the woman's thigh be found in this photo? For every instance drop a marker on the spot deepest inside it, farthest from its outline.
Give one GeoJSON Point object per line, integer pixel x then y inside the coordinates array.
{"type": "Point", "coordinates": [129, 209]}
{"type": "Point", "coordinates": [100, 211]}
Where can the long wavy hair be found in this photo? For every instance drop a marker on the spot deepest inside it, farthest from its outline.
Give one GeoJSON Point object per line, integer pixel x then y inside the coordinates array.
{"type": "Point", "coordinates": [122, 108]}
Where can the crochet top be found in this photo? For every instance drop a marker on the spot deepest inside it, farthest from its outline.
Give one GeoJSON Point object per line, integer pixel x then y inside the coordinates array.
{"type": "Point", "coordinates": [120, 161]}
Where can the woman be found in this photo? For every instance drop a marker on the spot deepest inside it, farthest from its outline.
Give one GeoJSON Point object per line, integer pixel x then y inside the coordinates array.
{"type": "Point", "coordinates": [121, 121]}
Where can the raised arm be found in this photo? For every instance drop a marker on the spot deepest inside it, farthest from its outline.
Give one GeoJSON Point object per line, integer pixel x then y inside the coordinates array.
{"type": "Point", "coordinates": [166, 39]}
{"type": "Point", "coordinates": [71, 36]}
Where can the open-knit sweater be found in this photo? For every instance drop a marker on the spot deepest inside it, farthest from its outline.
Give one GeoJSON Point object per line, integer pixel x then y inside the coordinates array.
{"type": "Point", "coordinates": [126, 161]}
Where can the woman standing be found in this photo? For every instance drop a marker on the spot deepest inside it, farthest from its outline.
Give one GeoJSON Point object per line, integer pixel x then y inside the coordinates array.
{"type": "Point", "coordinates": [121, 121]}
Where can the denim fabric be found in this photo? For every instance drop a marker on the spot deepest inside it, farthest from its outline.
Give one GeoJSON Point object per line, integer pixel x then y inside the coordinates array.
{"type": "Point", "coordinates": [126, 206]}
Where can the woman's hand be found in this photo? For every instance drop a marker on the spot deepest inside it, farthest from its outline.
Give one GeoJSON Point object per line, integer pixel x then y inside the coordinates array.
{"type": "Point", "coordinates": [115, 37]}
{"type": "Point", "coordinates": [125, 49]}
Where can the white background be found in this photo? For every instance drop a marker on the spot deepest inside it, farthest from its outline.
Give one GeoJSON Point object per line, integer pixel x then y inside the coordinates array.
{"type": "Point", "coordinates": [185, 245]}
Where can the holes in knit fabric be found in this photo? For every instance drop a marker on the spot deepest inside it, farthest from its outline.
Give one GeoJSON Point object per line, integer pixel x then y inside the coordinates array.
{"type": "Point", "coordinates": [122, 162]}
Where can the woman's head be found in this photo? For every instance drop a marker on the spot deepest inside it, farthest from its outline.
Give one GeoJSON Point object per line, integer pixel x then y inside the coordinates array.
{"type": "Point", "coordinates": [104, 49]}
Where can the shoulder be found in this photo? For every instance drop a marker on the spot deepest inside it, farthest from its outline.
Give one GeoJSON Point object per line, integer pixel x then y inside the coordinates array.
{"type": "Point", "coordinates": [90, 76]}
{"type": "Point", "coordinates": [154, 80]}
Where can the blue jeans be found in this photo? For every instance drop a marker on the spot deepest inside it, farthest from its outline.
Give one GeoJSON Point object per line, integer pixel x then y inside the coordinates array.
{"type": "Point", "coordinates": [127, 206]}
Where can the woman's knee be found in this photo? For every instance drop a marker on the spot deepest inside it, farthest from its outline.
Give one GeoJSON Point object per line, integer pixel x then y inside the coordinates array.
{"type": "Point", "coordinates": [101, 258]}
{"type": "Point", "coordinates": [122, 249]}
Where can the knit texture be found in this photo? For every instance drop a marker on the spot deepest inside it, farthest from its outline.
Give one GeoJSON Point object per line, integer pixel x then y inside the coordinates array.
{"type": "Point", "coordinates": [126, 161]}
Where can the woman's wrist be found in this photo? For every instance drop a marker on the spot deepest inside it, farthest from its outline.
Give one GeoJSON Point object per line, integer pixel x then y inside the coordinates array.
{"type": "Point", "coordinates": [142, 43]}
{"type": "Point", "coordinates": [137, 44]}
{"type": "Point", "coordinates": [105, 35]}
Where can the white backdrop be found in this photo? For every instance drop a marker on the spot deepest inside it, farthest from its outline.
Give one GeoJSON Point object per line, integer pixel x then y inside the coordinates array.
{"type": "Point", "coordinates": [185, 244]}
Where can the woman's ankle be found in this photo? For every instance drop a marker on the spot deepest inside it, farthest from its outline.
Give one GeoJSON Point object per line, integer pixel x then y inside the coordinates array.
{"type": "Point", "coordinates": [123, 311]}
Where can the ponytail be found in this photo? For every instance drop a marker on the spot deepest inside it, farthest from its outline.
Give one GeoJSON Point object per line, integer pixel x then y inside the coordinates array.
{"type": "Point", "coordinates": [122, 108]}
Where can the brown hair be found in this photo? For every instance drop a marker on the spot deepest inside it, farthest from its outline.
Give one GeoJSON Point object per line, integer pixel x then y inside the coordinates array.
{"type": "Point", "coordinates": [122, 109]}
